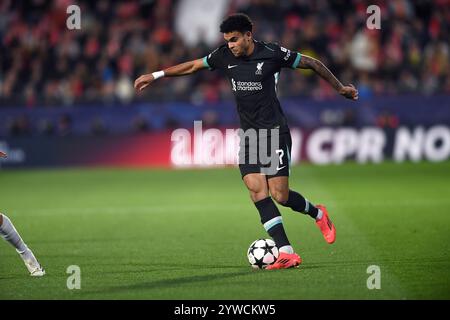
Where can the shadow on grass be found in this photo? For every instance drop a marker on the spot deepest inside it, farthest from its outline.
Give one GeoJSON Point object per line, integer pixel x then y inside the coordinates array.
{"type": "Point", "coordinates": [15, 277]}
{"type": "Point", "coordinates": [82, 241]}
{"type": "Point", "coordinates": [381, 261]}
{"type": "Point", "coordinates": [164, 266]}
{"type": "Point", "coordinates": [173, 282]}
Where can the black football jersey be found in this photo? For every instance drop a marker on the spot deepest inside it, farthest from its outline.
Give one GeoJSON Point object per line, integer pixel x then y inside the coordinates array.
{"type": "Point", "coordinates": [253, 80]}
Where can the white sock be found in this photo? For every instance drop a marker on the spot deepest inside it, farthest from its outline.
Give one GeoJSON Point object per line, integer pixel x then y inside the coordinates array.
{"type": "Point", "coordinates": [286, 249]}
{"type": "Point", "coordinates": [10, 234]}
{"type": "Point", "coordinates": [319, 214]}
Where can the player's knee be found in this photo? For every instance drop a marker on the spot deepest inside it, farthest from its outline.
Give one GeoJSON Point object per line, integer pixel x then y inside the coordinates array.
{"type": "Point", "coordinates": [257, 188]}
{"type": "Point", "coordinates": [258, 196]}
{"type": "Point", "coordinates": [257, 192]}
{"type": "Point", "coordinates": [280, 196]}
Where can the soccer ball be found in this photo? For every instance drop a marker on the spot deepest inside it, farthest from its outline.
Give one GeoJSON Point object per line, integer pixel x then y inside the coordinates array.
{"type": "Point", "coordinates": [262, 253]}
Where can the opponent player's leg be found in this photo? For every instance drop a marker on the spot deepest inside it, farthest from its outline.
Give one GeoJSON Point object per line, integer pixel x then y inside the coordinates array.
{"type": "Point", "coordinates": [10, 234]}
{"type": "Point", "coordinates": [279, 189]}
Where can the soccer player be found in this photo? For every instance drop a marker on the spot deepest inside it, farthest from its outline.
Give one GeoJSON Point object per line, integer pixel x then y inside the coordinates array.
{"type": "Point", "coordinates": [253, 69]}
{"type": "Point", "coordinates": [10, 234]}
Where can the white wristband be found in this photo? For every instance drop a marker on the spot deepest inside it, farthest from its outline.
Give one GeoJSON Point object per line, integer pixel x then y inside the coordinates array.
{"type": "Point", "coordinates": [158, 74]}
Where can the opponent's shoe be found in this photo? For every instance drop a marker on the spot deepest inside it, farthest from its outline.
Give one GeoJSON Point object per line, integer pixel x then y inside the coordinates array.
{"type": "Point", "coordinates": [326, 226]}
{"type": "Point", "coordinates": [32, 264]}
{"type": "Point", "coordinates": [285, 261]}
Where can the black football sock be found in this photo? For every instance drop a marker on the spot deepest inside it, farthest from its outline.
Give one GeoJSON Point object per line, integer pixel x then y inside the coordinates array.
{"type": "Point", "coordinates": [300, 204]}
{"type": "Point", "coordinates": [272, 221]}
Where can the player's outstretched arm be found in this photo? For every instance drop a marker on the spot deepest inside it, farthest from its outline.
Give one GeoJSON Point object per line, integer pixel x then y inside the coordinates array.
{"type": "Point", "coordinates": [307, 62]}
{"type": "Point", "coordinates": [175, 71]}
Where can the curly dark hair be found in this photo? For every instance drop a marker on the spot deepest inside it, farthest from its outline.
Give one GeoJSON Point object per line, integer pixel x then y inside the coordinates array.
{"type": "Point", "coordinates": [236, 22]}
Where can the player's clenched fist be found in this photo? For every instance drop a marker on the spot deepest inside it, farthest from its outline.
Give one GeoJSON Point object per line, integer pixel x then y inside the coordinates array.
{"type": "Point", "coordinates": [350, 92]}
{"type": "Point", "coordinates": [2, 155]}
{"type": "Point", "coordinates": [143, 81]}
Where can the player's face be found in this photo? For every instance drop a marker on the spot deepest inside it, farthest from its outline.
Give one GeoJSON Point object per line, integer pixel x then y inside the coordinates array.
{"type": "Point", "coordinates": [238, 42]}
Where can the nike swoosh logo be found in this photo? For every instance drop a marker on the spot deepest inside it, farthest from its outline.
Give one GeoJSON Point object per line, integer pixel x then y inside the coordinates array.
{"type": "Point", "coordinates": [278, 169]}
{"type": "Point", "coordinates": [229, 67]}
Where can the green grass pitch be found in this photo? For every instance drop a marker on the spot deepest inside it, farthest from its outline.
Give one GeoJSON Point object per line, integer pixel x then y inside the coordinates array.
{"type": "Point", "coordinates": [183, 234]}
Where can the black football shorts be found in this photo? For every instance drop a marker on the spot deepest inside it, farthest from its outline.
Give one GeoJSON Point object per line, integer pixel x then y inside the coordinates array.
{"type": "Point", "coordinates": [250, 160]}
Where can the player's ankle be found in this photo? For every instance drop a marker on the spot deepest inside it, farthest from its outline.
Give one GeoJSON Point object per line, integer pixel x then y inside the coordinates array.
{"type": "Point", "coordinates": [286, 249]}
{"type": "Point", "coordinates": [319, 214]}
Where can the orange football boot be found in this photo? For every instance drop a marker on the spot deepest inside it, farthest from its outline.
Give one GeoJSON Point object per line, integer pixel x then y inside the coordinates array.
{"type": "Point", "coordinates": [326, 226]}
{"type": "Point", "coordinates": [285, 261]}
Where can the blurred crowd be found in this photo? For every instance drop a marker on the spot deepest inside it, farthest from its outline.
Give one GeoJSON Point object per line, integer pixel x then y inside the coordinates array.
{"type": "Point", "coordinates": [42, 63]}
